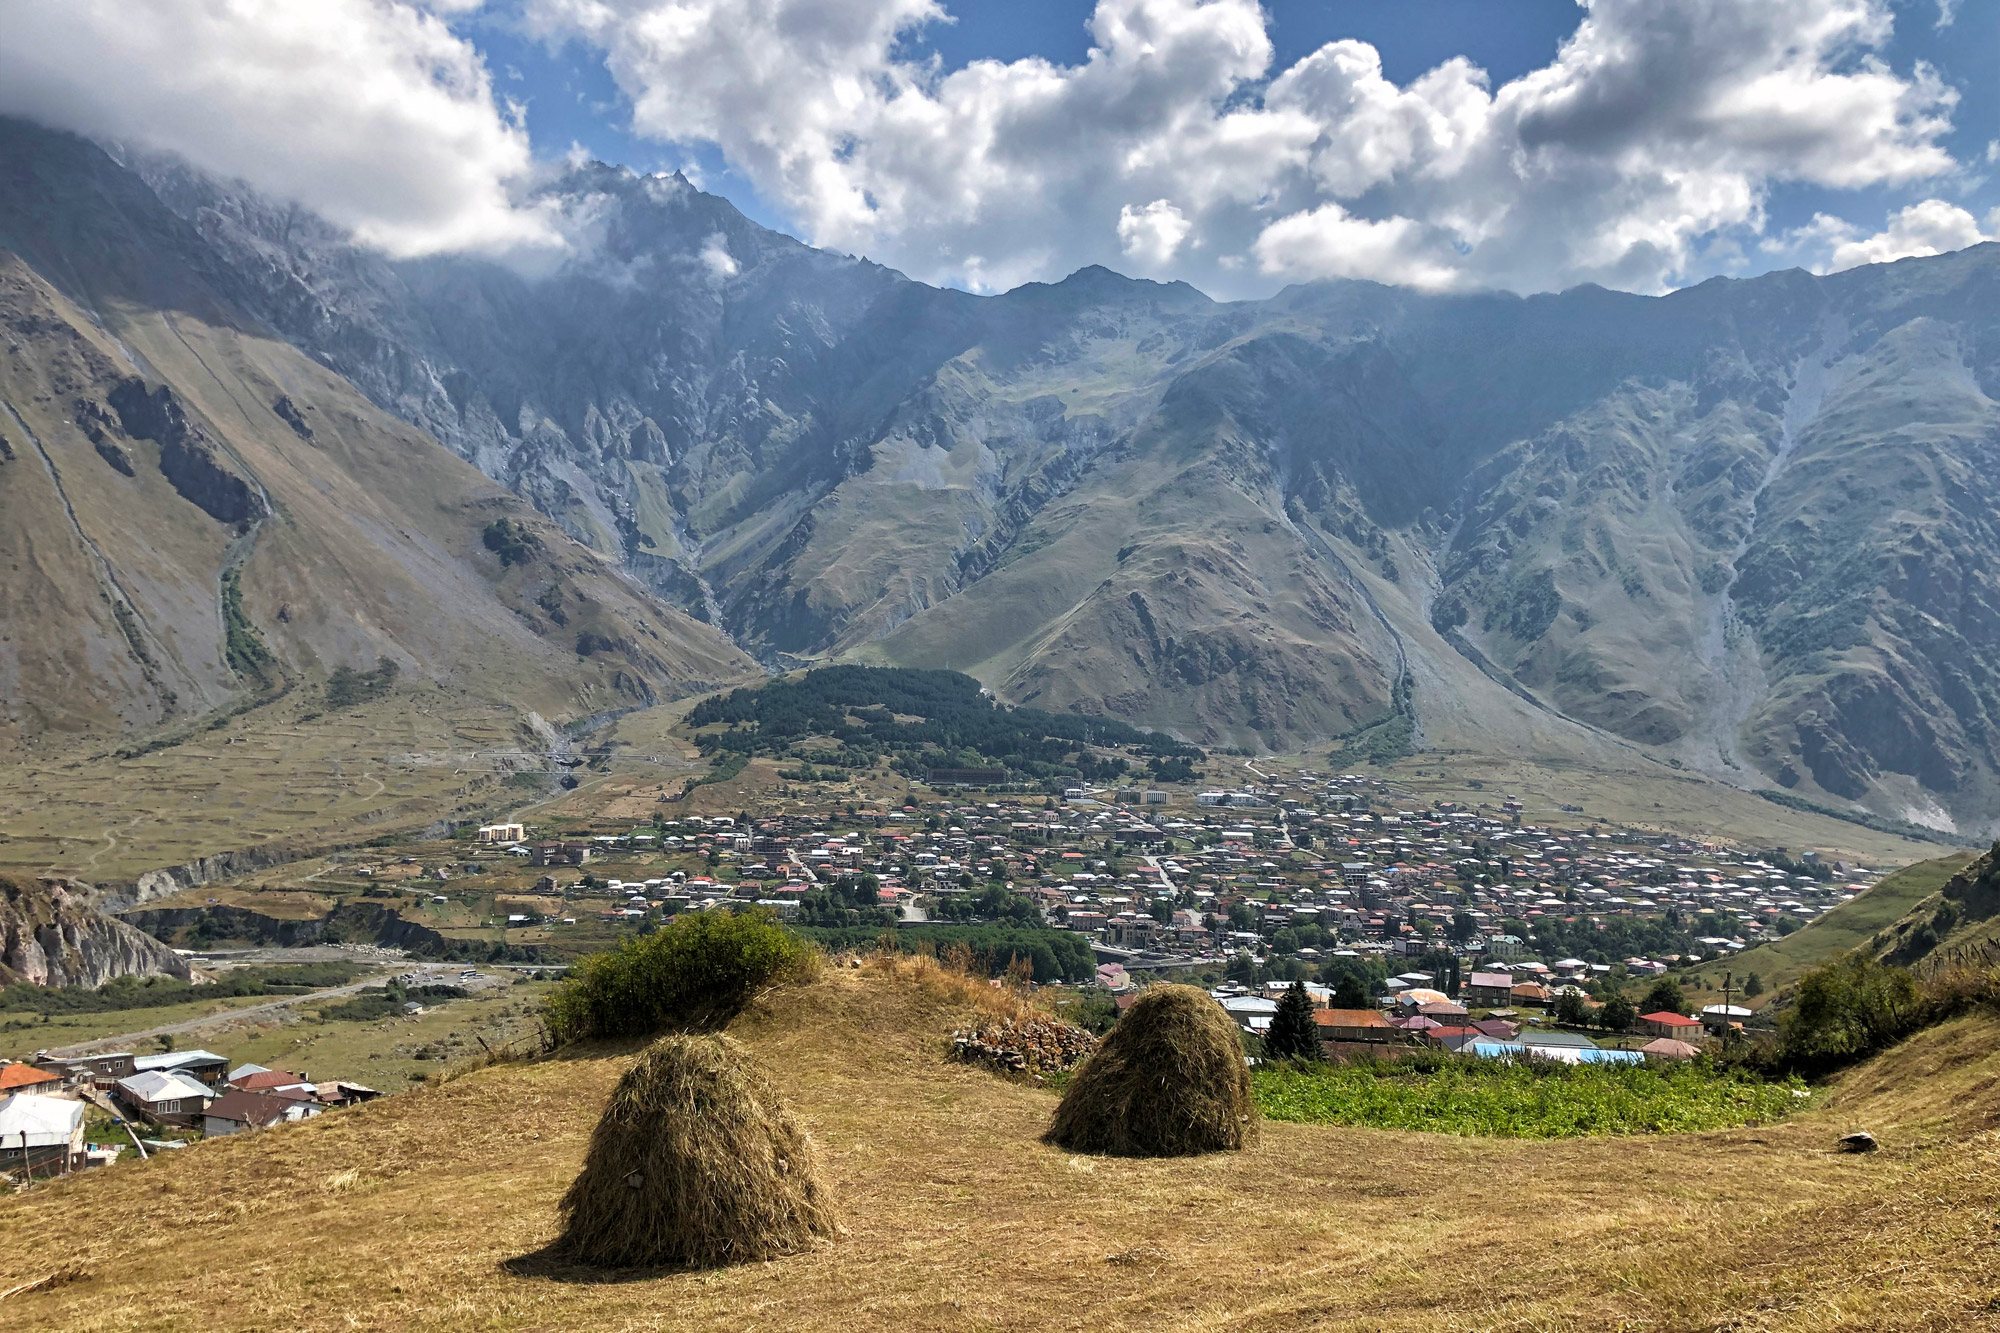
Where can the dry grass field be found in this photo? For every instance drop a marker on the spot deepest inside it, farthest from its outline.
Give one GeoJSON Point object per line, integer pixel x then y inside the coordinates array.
{"type": "Point", "coordinates": [427, 1210]}
{"type": "Point", "coordinates": [264, 778]}
{"type": "Point", "coordinates": [1639, 793]}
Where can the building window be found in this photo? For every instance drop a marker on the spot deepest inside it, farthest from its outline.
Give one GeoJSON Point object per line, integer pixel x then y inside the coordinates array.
{"type": "Point", "coordinates": [169, 1107]}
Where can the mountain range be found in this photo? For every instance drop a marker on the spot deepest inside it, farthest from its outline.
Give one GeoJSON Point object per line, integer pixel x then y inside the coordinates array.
{"type": "Point", "coordinates": [1746, 529]}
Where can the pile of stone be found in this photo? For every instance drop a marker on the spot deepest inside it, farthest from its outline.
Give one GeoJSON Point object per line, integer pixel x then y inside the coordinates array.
{"type": "Point", "coordinates": [1024, 1046]}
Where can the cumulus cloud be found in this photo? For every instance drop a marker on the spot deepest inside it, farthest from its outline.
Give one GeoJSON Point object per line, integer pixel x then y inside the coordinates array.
{"type": "Point", "coordinates": [372, 112]}
{"type": "Point", "coordinates": [1932, 227]}
{"type": "Point", "coordinates": [1152, 234]}
{"type": "Point", "coordinates": [1642, 152]}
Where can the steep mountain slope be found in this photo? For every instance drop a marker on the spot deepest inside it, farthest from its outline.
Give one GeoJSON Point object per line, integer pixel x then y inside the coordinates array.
{"type": "Point", "coordinates": [194, 515]}
{"type": "Point", "coordinates": [1744, 528]}
{"type": "Point", "coordinates": [1958, 925]}
{"type": "Point", "coordinates": [50, 935]}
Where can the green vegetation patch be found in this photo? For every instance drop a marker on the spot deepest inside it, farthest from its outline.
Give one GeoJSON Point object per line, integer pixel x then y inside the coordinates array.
{"type": "Point", "coordinates": [347, 687]}
{"type": "Point", "coordinates": [512, 541]}
{"type": "Point", "coordinates": [696, 973]}
{"type": "Point", "coordinates": [724, 769]}
{"type": "Point", "coordinates": [1388, 738]}
{"type": "Point", "coordinates": [379, 1002]}
{"type": "Point", "coordinates": [1453, 1094]}
{"type": "Point", "coordinates": [921, 720]}
{"type": "Point", "coordinates": [1055, 955]}
{"type": "Point", "coordinates": [1880, 823]}
{"type": "Point", "coordinates": [157, 992]}
{"type": "Point", "coordinates": [241, 643]}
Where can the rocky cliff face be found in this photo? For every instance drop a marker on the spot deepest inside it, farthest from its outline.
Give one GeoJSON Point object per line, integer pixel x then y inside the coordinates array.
{"type": "Point", "coordinates": [51, 936]}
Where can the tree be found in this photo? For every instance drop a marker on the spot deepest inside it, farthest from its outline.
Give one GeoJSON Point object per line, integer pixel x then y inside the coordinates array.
{"type": "Point", "coordinates": [1349, 992]}
{"type": "Point", "coordinates": [1753, 985]}
{"type": "Point", "coordinates": [1293, 1034]}
{"type": "Point", "coordinates": [1663, 998]}
{"type": "Point", "coordinates": [1617, 1015]}
{"type": "Point", "coordinates": [1570, 1009]}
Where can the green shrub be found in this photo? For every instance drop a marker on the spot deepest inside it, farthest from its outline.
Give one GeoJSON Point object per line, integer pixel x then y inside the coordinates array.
{"type": "Point", "coordinates": [346, 687]}
{"type": "Point", "coordinates": [515, 543]}
{"type": "Point", "coordinates": [694, 974]}
{"type": "Point", "coordinates": [242, 645]}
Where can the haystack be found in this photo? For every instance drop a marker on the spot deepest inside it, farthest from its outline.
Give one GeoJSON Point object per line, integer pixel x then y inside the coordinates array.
{"type": "Point", "coordinates": [1168, 1081]}
{"type": "Point", "coordinates": [695, 1164]}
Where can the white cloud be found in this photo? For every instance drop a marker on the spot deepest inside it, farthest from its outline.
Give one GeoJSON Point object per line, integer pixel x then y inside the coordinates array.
{"type": "Point", "coordinates": [716, 258]}
{"type": "Point", "coordinates": [1947, 13]}
{"type": "Point", "coordinates": [372, 112]}
{"type": "Point", "coordinates": [1329, 242]}
{"type": "Point", "coordinates": [1639, 157]}
{"type": "Point", "coordinates": [1933, 227]}
{"type": "Point", "coordinates": [1151, 234]}
{"type": "Point", "coordinates": [1642, 152]}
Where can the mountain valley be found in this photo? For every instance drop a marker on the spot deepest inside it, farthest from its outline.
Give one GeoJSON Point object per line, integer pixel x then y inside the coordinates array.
{"type": "Point", "coordinates": [1741, 531]}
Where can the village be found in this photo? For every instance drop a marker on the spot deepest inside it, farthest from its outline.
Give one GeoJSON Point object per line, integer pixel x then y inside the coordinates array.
{"type": "Point", "coordinates": [154, 1103]}
{"type": "Point", "coordinates": [1441, 928]}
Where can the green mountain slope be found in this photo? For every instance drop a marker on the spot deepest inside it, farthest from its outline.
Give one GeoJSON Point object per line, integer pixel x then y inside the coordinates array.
{"type": "Point", "coordinates": [1852, 925]}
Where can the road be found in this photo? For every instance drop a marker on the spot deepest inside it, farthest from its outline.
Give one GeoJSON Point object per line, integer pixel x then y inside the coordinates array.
{"type": "Point", "coordinates": [1284, 829]}
{"type": "Point", "coordinates": [126, 1040]}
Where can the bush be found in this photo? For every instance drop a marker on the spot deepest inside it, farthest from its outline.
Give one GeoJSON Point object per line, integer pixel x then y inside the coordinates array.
{"type": "Point", "coordinates": [1847, 1011]}
{"type": "Point", "coordinates": [346, 687]}
{"type": "Point", "coordinates": [515, 543]}
{"type": "Point", "coordinates": [1665, 997]}
{"type": "Point", "coordinates": [694, 974]}
{"type": "Point", "coordinates": [1055, 955]}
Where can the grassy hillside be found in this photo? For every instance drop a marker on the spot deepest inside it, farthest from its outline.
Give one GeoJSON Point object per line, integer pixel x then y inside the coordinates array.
{"type": "Point", "coordinates": [426, 1211]}
{"type": "Point", "coordinates": [1849, 926]}
{"type": "Point", "coordinates": [1958, 925]}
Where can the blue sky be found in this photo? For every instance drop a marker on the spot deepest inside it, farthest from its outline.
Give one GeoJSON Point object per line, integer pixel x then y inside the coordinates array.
{"type": "Point", "coordinates": [1446, 144]}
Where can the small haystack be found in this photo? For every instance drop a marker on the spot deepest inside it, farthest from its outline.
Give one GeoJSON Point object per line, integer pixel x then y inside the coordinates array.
{"type": "Point", "coordinates": [1168, 1081]}
{"type": "Point", "coordinates": [695, 1164]}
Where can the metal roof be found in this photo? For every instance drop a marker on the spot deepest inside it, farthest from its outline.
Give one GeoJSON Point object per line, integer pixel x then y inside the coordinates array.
{"type": "Point", "coordinates": [47, 1121]}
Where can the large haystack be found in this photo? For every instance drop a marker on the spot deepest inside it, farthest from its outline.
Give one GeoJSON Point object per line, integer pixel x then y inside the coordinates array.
{"type": "Point", "coordinates": [1169, 1081]}
{"type": "Point", "coordinates": [695, 1164]}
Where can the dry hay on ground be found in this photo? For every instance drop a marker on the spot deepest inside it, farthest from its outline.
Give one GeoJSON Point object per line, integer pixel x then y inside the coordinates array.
{"type": "Point", "coordinates": [1033, 1045]}
{"type": "Point", "coordinates": [695, 1163]}
{"type": "Point", "coordinates": [1168, 1081]}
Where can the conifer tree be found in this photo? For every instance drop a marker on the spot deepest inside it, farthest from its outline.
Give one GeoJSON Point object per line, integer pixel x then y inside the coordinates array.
{"type": "Point", "coordinates": [1293, 1034]}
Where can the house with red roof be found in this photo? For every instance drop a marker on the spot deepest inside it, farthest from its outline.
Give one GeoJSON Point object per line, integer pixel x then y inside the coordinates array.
{"type": "Point", "coordinates": [1677, 1026]}
{"type": "Point", "coordinates": [20, 1077]}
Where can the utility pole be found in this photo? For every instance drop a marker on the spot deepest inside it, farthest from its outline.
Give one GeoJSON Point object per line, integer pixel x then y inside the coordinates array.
{"type": "Point", "coordinates": [1727, 980]}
